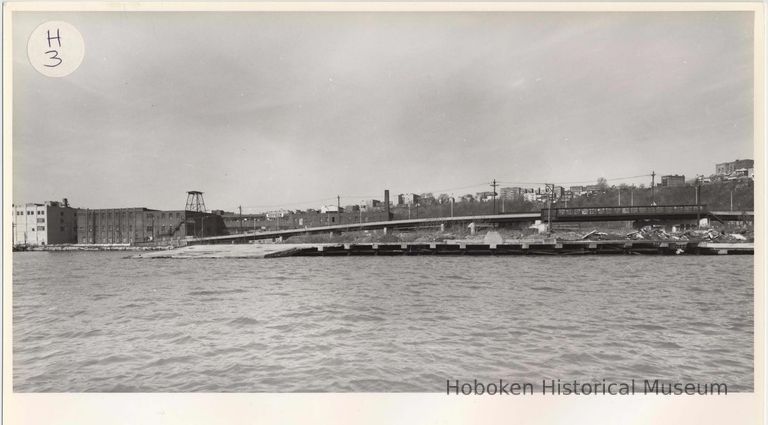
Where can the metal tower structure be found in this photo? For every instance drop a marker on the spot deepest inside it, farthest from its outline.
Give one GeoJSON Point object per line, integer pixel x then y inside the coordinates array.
{"type": "Point", "coordinates": [195, 201]}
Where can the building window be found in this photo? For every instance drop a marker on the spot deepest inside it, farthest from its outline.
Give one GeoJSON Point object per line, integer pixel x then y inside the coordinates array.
{"type": "Point", "coordinates": [149, 228]}
{"type": "Point", "coordinates": [41, 220]}
{"type": "Point", "coordinates": [40, 228]}
{"type": "Point", "coordinates": [61, 213]}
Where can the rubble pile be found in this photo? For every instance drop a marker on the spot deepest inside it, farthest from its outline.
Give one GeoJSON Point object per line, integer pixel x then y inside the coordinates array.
{"type": "Point", "coordinates": [710, 235]}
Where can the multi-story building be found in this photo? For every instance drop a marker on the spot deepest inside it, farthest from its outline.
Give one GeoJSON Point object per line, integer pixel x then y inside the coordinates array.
{"type": "Point", "coordinates": [411, 199]}
{"type": "Point", "coordinates": [49, 223]}
{"type": "Point", "coordinates": [592, 189]}
{"type": "Point", "coordinates": [729, 167]}
{"type": "Point", "coordinates": [577, 190]}
{"type": "Point", "coordinates": [143, 225]}
{"type": "Point", "coordinates": [511, 193]}
{"type": "Point", "coordinates": [672, 180]}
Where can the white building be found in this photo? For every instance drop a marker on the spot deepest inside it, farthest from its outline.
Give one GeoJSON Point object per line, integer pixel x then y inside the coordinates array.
{"type": "Point", "coordinates": [411, 199]}
{"type": "Point", "coordinates": [50, 223]}
{"type": "Point", "coordinates": [277, 214]}
{"type": "Point", "coordinates": [325, 209]}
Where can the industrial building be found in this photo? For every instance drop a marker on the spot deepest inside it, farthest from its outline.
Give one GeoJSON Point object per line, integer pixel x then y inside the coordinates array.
{"type": "Point", "coordinates": [142, 225]}
{"type": "Point", "coordinates": [49, 223]}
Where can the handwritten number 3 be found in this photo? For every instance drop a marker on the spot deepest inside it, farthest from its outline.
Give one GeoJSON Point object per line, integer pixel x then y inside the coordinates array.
{"type": "Point", "coordinates": [55, 56]}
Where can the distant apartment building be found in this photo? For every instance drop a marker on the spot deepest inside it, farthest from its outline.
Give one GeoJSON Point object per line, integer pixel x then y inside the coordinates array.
{"type": "Point", "coordinates": [592, 189]}
{"type": "Point", "coordinates": [577, 190]}
{"type": "Point", "coordinates": [530, 196]}
{"type": "Point", "coordinates": [143, 225]}
{"type": "Point", "coordinates": [672, 180]}
{"type": "Point", "coordinates": [49, 223]}
{"type": "Point", "coordinates": [511, 193]}
{"type": "Point", "coordinates": [727, 168]}
{"type": "Point", "coordinates": [411, 199]}
{"type": "Point", "coordinates": [371, 204]}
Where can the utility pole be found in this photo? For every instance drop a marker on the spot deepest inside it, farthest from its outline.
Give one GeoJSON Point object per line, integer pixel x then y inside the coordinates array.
{"type": "Point", "coordinates": [338, 209]}
{"type": "Point", "coordinates": [653, 188]}
{"type": "Point", "coordinates": [731, 200]}
{"type": "Point", "coordinates": [696, 190]}
{"type": "Point", "coordinates": [240, 213]}
{"type": "Point", "coordinates": [453, 200]}
{"type": "Point", "coordinates": [632, 197]}
{"type": "Point", "coordinates": [550, 189]}
{"type": "Point", "coordinates": [493, 185]}
{"type": "Point", "coordinates": [409, 211]}
{"type": "Point", "coordinates": [619, 196]}
{"type": "Point", "coordinates": [698, 196]}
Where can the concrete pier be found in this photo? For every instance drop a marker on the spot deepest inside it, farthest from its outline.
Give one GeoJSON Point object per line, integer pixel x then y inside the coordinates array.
{"type": "Point", "coordinates": [470, 248]}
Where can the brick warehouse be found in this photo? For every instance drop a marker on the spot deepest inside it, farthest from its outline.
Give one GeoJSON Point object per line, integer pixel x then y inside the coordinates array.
{"type": "Point", "coordinates": [143, 225]}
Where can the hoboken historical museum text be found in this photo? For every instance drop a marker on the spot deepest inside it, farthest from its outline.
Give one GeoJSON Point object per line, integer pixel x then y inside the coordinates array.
{"type": "Point", "coordinates": [574, 387]}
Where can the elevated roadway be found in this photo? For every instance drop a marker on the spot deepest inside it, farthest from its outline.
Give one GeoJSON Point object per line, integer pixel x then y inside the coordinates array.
{"type": "Point", "coordinates": [580, 214]}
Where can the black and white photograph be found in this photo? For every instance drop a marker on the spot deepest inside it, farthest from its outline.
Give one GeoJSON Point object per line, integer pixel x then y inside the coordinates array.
{"type": "Point", "coordinates": [460, 203]}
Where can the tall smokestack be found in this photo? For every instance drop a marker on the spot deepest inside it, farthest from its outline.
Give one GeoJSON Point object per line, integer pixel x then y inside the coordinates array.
{"type": "Point", "coordinates": [386, 203]}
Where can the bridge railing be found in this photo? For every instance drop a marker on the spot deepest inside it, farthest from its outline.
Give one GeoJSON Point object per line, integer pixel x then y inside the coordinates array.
{"type": "Point", "coordinates": [618, 211]}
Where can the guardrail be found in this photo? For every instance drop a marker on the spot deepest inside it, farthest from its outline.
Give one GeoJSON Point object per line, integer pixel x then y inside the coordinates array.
{"type": "Point", "coordinates": [618, 211]}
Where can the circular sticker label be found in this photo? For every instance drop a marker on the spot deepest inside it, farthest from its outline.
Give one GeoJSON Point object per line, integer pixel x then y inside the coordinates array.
{"type": "Point", "coordinates": [56, 49]}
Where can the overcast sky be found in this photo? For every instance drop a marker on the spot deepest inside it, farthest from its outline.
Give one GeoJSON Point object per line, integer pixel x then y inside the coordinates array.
{"type": "Point", "coordinates": [284, 109]}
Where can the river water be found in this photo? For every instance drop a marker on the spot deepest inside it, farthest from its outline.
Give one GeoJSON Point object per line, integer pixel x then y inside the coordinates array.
{"type": "Point", "coordinates": [85, 321]}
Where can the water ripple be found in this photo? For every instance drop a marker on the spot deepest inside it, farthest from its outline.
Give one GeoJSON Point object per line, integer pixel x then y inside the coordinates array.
{"type": "Point", "coordinates": [375, 324]}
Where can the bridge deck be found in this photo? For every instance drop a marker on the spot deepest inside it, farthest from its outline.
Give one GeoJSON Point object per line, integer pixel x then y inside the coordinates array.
{"type": "Point", "coordinates": [579, 214]}
{"type": "Point", "coordinates": [393, 224]}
